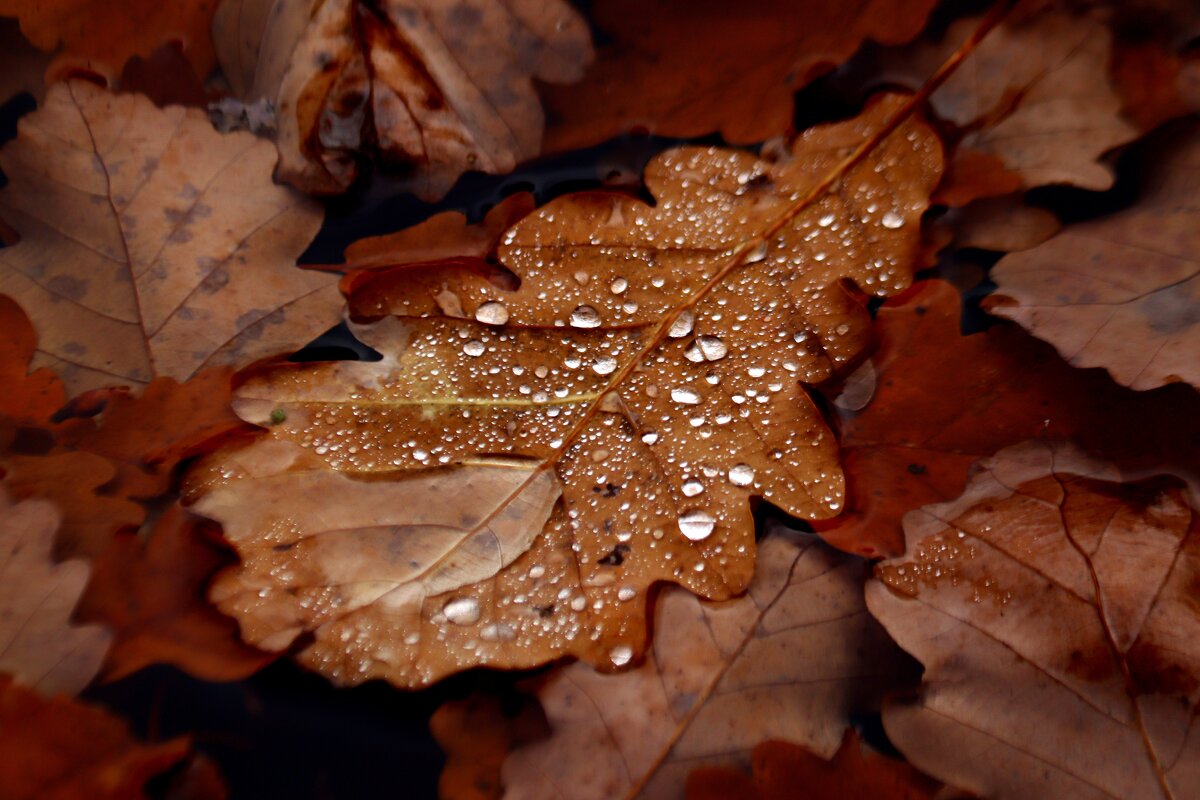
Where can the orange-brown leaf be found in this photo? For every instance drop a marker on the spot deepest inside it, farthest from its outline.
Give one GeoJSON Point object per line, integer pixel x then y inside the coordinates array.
{"type": "Point", "coordinates": [477, 734]}
{"type": "Point", "coordinates": [28, 397]}
{"type": "Point", "coordinates": [1054, 609]}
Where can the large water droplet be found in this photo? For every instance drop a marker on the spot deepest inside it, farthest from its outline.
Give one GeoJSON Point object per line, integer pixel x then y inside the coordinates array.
{"type": "Point", "coordinates": [492, 313]}
{"type": "Point", "coordinates": [693, 353]}
{"type": "Point", "coordinates": [585, 317]}
{"type": "Point", "coordinates": [756, 253]}
{"type": "Point", "coordinates": [696, 524]}
{"type": "Point", "coordinates": [605, 365]}
{"type": "Point", "coordinates": [620, 655]}
{"type": "Point", "coordinates": [649, 437]}
{"type": "Point", "coordinates": [626, 593]}
{"type": "Point", "coordinates": [474, 348]}
{"type": "Point", "coordinates": [685, 395]}
{"type": "Point", "coordinates": [741, 474]}
{"type": "Point", "coordinates": [682, 325]}
{"type": "Point", "coordinates": [692, 488]}
{"type": "Point", "coordinates": [619, 285]}
{"type": "Point", "coordinates": [462, 610]}
{"type": "Point", "coordinates": [712, 347]}
{"type": "Point", "coordinates": [892, 220]}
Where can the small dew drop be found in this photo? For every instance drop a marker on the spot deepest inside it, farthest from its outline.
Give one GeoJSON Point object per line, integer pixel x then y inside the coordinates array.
{"type": "Point", "coordinates": [620, 655]}
{"type": "Point", "coordinates": [585, 317]}
{"type": "Point", "coordinates": [892, 220]}
{"type": "Point", "coordinates": [619, 285]}
{"type": "Point", "coordinates": [696, 524]}
{"type": "Point", "coordinates": [692, 488]}
{"type": "Point", "coordinates": [626, 593]}
{"type": "Point", "coordinates": [682, 325]}
{"type": "Point", "coordinates": [756, 253]}
{"type": "Point", "coordinates": [741, 474]}
{"type": "Point", "coordinates": [473, 348]}
{"type": "Point", "coordinates": [712, 347]}
{"type": "Point", "coordinates": [686, 396]}
{"type": "Point", "coordinates": [605, 365]}
{"type": "Point", "coordinates": [462, 610]}
{"type": "Point", "coordinates": [492, 313]}
{"type": "Point", "coordinates": [649, 437]}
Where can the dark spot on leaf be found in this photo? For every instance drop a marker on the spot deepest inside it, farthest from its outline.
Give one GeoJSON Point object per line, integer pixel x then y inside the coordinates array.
{"type": "Point", "coordinates": [68, 287]}
{"type": "Point", "coordinates": [616, 557]}
{"type": "Point", "coordinates": [917, 469]}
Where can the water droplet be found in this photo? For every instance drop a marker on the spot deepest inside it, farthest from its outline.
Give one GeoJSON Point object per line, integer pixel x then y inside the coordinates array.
{"type": "Point", "coordinates": [578, 603]}
{"type": "Point", "coordinates": [682, 325]}
{"type": "Point", "coordinates": [712, 347]}
{"type": "Point", "coordinates": [462, 610]}
{"type": "Point", "coordinates": [492, 313]}
{"type": "Point", "coordinates": [605, 365]}
{"type": "Point", "coordinates": [498, 633]}
{"type": "Point", "coordinates": [619, 285]}
{"type": "Point", "coordinates": [685, 395]}
{"type": "Point", "coordinates": [473, 348]}
{"type": "Point", "coordinates": [585, 317]}
{"type": "Point", "coordinates": [693, 353]}
{"type": "Point", "coordinates": [696, 524]}
{"type": "Point", "coordinates": [626, 593]}
{"type": "Point", "coordinates": [756, 371]}
{"type": "Point", "coordinates": [756, 253]}
{"type": "Point", "coordinates": [621, 655]}
{"type": "Point", "coordinates": [582, 278]}
{"type": "Point", "coordinates": [649, 437]}
{"type": "Point", "coordinates": [826, 220]}
{"type": "Point", "coordinates": [537, 571]}
{"type": "Point", "coordinates": [892, 220]}
{"type": "Point", "coordinates": [692, 488]}
{"type": "Point", "coordinates": [741, 474]}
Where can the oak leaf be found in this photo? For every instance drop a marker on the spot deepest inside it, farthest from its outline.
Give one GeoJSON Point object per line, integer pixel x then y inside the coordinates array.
{"type": "Point", "coordinates": [944, 400]}
{"type": "Point", "coordinates": [29, 397]}
{"type": "Point", "coordinates": [38, 645]}
{"type": "Point", "coordinates": [150, 244]}
{"type": "Point", "coordinates": [653, 357]}
{"type": "Point", "coordinates": [686, 68]}
{"type": "Point", "coordinates": [1053, 608]}
{"type": "Point", "coordinates": [790, 660]}
{"type": "Point", "coordinates": [1121, 292]}
{"type": "Point", "coordinates": [782, 770]}
{"type": "Point", "coordinates": [432, 89]}
{"type": "Point", "coordinates": [477, 734]}
{"type": "Point", "coordinates": [59, 749]}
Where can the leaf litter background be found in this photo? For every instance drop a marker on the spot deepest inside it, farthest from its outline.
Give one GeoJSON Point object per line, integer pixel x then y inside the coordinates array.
{"type": "Point", "coordinates": [286, 732]}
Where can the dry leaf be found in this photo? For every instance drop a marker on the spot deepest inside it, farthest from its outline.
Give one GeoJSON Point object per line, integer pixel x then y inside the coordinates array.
{"type": "Point", "coordinates": [1054, 611]}
{"type": "Point", "coordinates": [97, 38]}
{"type": "Point", "coordinates": [38, 645]}
{"type": "Point", "coordinates": [28, 397]}
{"type": "Point", "coordinates": [944, 400]}
{"type": "Point", "coordinates": [150, 244]}
{"type": "Point", "coordinates": [1004, 224]}
{"type": "Point", "coordinates": [1121, 292]}
{"type": "Point", "coordinates": [477, 734]}
{"type": "Point", "coordinates": [1034, 94]}
{"type": "Point", "coordinates": [59, 749]}
{"type": "Point", "coordinates": [790, 660]}
{"type": "Point", "coordinates": [691, 67]}
{"type": "Point", "coordinates": [24, 64]}
{"type": "Point", "coordinates": [432, 89]}
{"type": "Point", "coordinates": [653, 357]}
{"type": "Point", "coordinates": [783, 771]}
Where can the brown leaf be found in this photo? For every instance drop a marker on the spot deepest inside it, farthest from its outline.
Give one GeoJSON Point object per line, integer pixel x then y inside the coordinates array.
{"type": "Point", "coordinates": [96, 38]}
{"type": "Point", "coordinates": [654, 358]}
{"type": "Point", "coordinates": [1121, 292]}
{"type": "Point", "coordinates": [944, 400]}
{"type": "Point", "coordinates": [28, 397]}
{"type": "Point", "coordinates": [152, 595]}
{"type": "Point", "coordinates": [152, 245]}
{"type": "Point", "coordinates": [790, 660]}
{"type": "Point", "coordinates": [38, 645]}
{"type": "Point", "coordinates": [59, 749]}
{"type": "Point", "coordinates": [433, 89]}
{"type": "Point", "coordinates": [691, 67]}
{"type": "Point", "coordinates": [782, 771]}
{"type": "Point", "coordinates": [1004, 224]}
{"type": "Point", "coordinates": [1054, 611]}
{"type": "Point", "coordinates": [24, 64]}
{"type": "Point", "coordinates": [477, 734]}
{"type": "Point", "coordinates": [1035, 95]}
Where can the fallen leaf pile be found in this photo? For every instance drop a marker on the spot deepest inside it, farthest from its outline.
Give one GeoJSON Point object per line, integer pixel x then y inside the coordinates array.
{"type": "Point", "coordinates": [785, 399]}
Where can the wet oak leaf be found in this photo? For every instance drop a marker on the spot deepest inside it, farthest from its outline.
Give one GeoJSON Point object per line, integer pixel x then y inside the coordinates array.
{"type": "Point", "coordinates": [39, 646]}
{"type": "Point", "coordinates": [789, 660]}
{"type": "Point", "coordinates": [151, 593]}
{"type": "Point", "coordinates": [431, 89]}
{"type": "Point", "coordinates": [654, 358]}
{"type": "Point", "coordinates": [782, 770]}
{"type": "Point", "coordinates": [59, 749]}
{"type": "Point", "coordinates": [1121, 292]}
{"type": "Point", "coordinates": [97, 39]}
{"type": "Point", "coordinates": [944, 400]}
{"type": "Point", "coordinates": [685, 68]}
{"type": "Point", "coordinates": [150, 244]}
{"type": "Point", "coordinates": [1054, 610]}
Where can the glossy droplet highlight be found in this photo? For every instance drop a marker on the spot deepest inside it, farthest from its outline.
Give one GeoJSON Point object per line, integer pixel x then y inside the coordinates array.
{"type": "Point", "coordinates": [620, 655]}
{"type": "Point", "coordinates": [756, 253]}
{"type": "Point", "coordinates": [696, 524]}
{"type": "Point", "coordinates": [712, 347]}
{"type": "Point", "coordinates": [619, 285]}
{"type": "Point", "coordinates": [741, 474]}
{"type": "Point", "coordinates": [473, 348]}
{"type": "Point", "coordinates": [585, 317]}
{"type": "Point", "coordinates": [692, 488]}
{"type": "Point", "coordinates": [682, 325]}
{"type": "Point", "coordinates": [462, 610]}
{"type": "Point", "coordinates": [605, 365]}
{"type": "Point", "coordinates": [685, 395]}
{"type": "Point", "coordinates": [892, 220]}
{"type": "Point", "coordinates": [492, 313]}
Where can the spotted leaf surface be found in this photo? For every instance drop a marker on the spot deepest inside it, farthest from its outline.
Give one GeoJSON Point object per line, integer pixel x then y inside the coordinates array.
{"type": "Point", "coordinates": [1053, 607]}
{"type": "Point", "coordinates": [654, 358]}
{"type": "Point", "coordinates": [150, 245]}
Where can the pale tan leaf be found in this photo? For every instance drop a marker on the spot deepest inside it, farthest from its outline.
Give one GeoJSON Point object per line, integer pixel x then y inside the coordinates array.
{"type": "Point", "coordinates": [1054, 611]}
{"type": "Point", "coordinates": [1121, 292]}
{"type": "Point", "coordinates": [38, 645]}
{"type": "Point", "coordinates": [150, 244]}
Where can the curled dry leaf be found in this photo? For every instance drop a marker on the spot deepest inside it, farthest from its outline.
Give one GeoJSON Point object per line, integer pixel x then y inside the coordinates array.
{"type": "Point", "coordinates": [431, 88]}
{"type": "Point", "coordinates": [653, 358]}
{"type": "Point", "coordinates": [1035, 94]}
{"type": "Point", "coordinates": [683, 67]}
{"type": "Point", "coordinates": [97, 38]}
{"type": "Point", "coordinates": [1054, 611]}
{"type": "Point", "coordinates": [781, 769]}
{"type": "Point", "coordinates": [38, 645]}
{"type": "Point", "coordinates": [944, 400]}
{"type": "Point", "coordinates": [59, 749]}
{"type": "Point", "coordinates": [1121, 292]}
{"type": "Point", "coordinates": [150, 244]}
{"type": "Point", "coordinates": [790, 660]}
